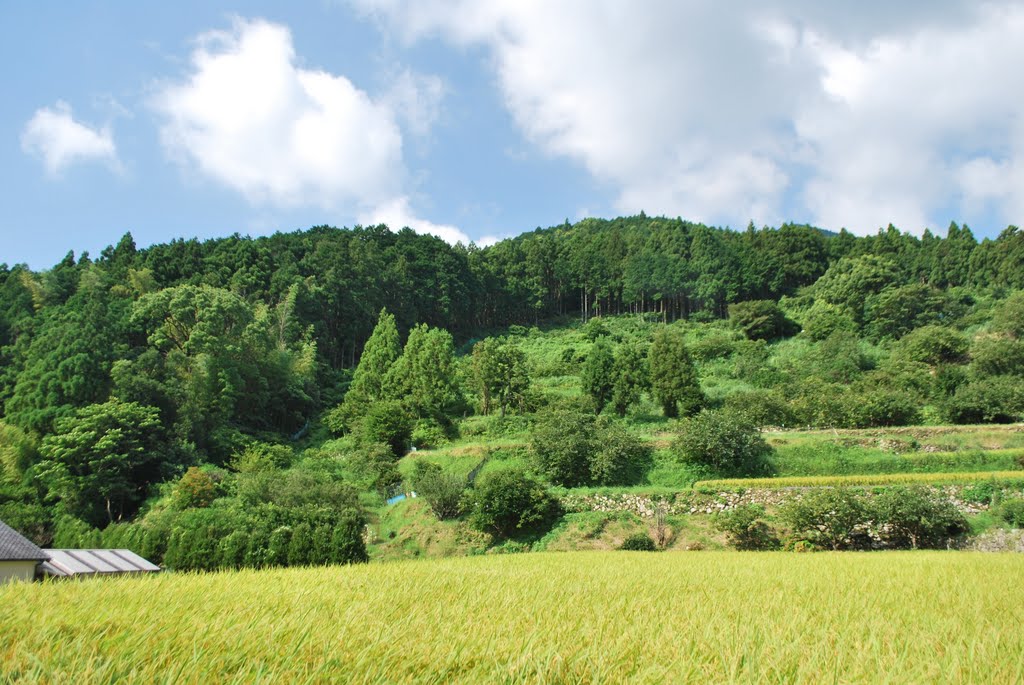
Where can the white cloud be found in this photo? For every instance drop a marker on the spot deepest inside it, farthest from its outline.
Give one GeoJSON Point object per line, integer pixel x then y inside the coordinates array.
{"type": "Point", "coordinates": [252, 119]}
{"type": "Point", "coordinates": [55, 137]}
{"type": "Point", "coordinates": [416, 99]}
{"type": "Point", "coordinates": [846, 115]}
{"type": "Point", "coordinates": [397, 215]}
{"type": "Point", "coordinates": [248, 116]}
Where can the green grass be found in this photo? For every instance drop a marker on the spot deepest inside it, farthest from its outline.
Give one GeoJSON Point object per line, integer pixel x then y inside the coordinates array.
{"type": "Point", "coordinates": [547, 618]}
{"type": "Point", "coordinates": [866, 480]}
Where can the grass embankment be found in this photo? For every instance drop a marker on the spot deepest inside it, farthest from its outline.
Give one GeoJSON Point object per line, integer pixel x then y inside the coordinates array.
{"type": "Point", "coordinates": [585, 617]}
{"type": "Point", "coordinates": [865, 480]}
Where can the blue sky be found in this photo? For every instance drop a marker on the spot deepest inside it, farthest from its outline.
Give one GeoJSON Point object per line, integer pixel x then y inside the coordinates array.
{"type": "Point", "coordinates": [476, 121]}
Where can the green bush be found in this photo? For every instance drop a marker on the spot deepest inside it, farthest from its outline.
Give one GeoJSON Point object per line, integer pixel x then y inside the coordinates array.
{"type": "Point", "coordinates": [387, 422]}
{"type": "Point", "coordinates": [1012, 511]}
{"type": "Point", "coordinates": [869, 408]}
{"type": "Point", "coordinates": [638, 542]}
{"type": "Point", "coordinates": [997, 356]}
{"type": "Point", "coordinates": [933, 345]}
{"type": "Point", "coordinates": [723, 444]}
{"type": "Point", "coordinates": [746, 528]}
{"type": "Point", "coordinates": [761, 407]}
{"type": "Point", "coordinates": [442, 491]}
{"type": "Point", "coordinates": [510, 503]}
{"type": "Point", "coordinates": [916, 516]}
{"type": "Point", "coordinates": [574, 448]}
{"type": "Point", "coordinates": [828, 518]}
{"type": "Point", "coordinates": [994, 400]}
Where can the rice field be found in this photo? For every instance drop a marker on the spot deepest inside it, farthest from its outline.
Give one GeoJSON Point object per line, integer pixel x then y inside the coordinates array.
{"type": "Point", "coordinates": [865, 480]}
{"type": "Point", "coordinates": [568, 618]}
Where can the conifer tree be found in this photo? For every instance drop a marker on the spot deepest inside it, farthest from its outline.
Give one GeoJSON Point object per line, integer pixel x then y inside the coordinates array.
{"type": "Point", "coordinates": [598, 374]}
{"type": "Point", "coordinates": [379, 355]}
{"type": "Point", "coordinates": [630, 378]}
{"type": "Point", "coordinates": [673, 376]}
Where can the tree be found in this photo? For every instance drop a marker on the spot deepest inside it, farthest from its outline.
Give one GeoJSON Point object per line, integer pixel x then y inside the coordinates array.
{"type": "Point", "coordinates": [761, 320]}
{"type": "Point", "coordinates": [934, 345]}
{"type": "Point", "coordinates": [102, 460]}
{"type": "Point", "coordinates": [723, 444]}
{"type": "Point", "coordinates": [424, 378]}
{"type": "Point", "coordinates": [499, 373]}
{"type": "Point", "coordinates": [919, 517]}
{"type": "Point", "coordinates": [575, 448]}
{"type": "Point", "coordinates": [386, 422]}
{"type": "Point", "coordinates": [379, 354]}
{"type": "Point", "coordinates": [598, 374]}
{"type": "Point", "coordinates": [630, 378]}
{"type": "Point", "coordinates": [673, 376]}
{"type": "Point", "coordinates": [828, 518]}
{"type": "Point", "coordinates": [509, 503]}
{"type": "Point", "coordinates": [442, 491]}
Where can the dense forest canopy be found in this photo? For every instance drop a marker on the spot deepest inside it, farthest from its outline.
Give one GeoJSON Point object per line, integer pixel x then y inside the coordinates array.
{"type": "Point", "coordinates": [223, 352]}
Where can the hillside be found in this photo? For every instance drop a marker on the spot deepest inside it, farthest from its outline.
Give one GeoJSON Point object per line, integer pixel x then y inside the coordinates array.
{"type": "Point", "coordinates": [269, 402]}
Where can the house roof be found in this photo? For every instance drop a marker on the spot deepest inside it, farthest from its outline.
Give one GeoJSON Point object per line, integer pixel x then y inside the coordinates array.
{"type": "Point", "coordinates": [16, 547]}
{"type": "Point", "coordinates": [90, 562]}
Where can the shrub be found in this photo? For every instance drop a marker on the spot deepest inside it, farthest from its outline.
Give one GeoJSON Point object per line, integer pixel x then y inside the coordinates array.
{"type": "Point", "coordinates": [263, 456]}
{"type": "Point", "coordinates": [198, 488]}
{"type": "Point", "coordinates": [828, 518]}
{"type": "Point", "coordinates": [574, 448]}
{"type": "Point", "coordinates": [442, 491]}
{"type": "Point", "coordinates": [428, 434]}
{"type": "Point", "coordinates": [638, 542]}
{"type": "Point", "coordinates": [713, 347]}
{"type": "Point", "coordinates": [509, 503]}
{"type": "Point", "coordinates": [918, 517]}
{"type": "Point", "coordinates": [761, 407]}
{"type": "Point", "coordinates": [723, 443]}
{"type": "Point", "coordinates": [933, 345]}
{"type": "Point", "coordinates": [386, 422]}
{"type": "Point", "coordinates": [994, 400]}
{"type": "Point", "coordinates": [746, 528]}
{"type": "Point", "coordinates": [997, 356]}
{"type": "Point", "coordinates": [619, 458]}
{"type": "Point", "coordinates": [1012, 511]}
{"type": "Point", "coordinates": [881, 407]}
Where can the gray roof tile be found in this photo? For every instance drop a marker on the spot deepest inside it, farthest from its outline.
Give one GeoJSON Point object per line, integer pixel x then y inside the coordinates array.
{"type": "Point", "coordinates": [16, 547]}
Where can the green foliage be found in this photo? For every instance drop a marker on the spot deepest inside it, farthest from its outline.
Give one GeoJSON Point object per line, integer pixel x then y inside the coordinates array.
{"type": "Point", "coordinates": [761, 407]}
{"type": "Point", "coordinates": [746, 528]}
{"type": "Point", "coordinates": [101, 460]}
{"type": "Point", "coordinates": [368, 382]}
{"type": "Point", "coordinates": [19, 450]}
{"type": "Point", "coordinates": [262, 456]}
{"type": "Point", "coordinates": [499, 374]}
{"type": "Point", "coordinates": [829, 518]}
{"type": "Point", "coordinates": [510, 503]}
{"type": "Point", "coordinates": [573, 449]}
{"type": "Point", "coordinates": [916, 516]}
{"type": "Point", "coordinates": [631, 378]}
{"type": "Point", "coordinates": [1009, 316]}
{"type": "Point", "coordinates": [424, 378]}
{"type": "Point", "coordinates": [386, 422]}
{"type": "Point", "coordinates": [442, 491]}
{"type": "Point", "coordinates": [824, 319]}
{"type": "Point", "coordinates": [999, 399]}
{"type": "Point", "coordinates": [1011, 510]}
{"type": "Point", "coordinates": [997, 356]}
{"type": "Point", "coordinates": [673, 377]}
{"type": "Point", "coordinates": [761, 320]}
{"type": "Point", "coordinates": [198, 488]}
{"type": "Point", "coordinates": [638, 542]}
{"type": "Point", "coordinates": [934, 345]}
{"type": "Point", "coordinates": [598, 377]}
{"type": "Point", "coordinates": [722, 443]}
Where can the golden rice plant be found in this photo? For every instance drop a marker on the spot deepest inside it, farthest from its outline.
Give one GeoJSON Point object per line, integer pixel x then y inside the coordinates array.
{"type": "Point", "coordinates": [863, 480]}
{"type": "Point", "coordinates": [585, 617]}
